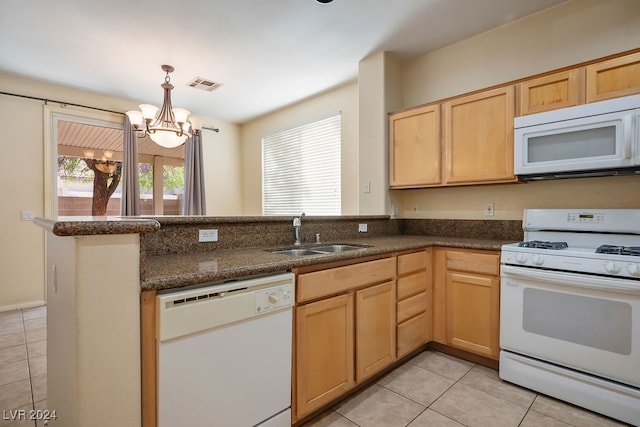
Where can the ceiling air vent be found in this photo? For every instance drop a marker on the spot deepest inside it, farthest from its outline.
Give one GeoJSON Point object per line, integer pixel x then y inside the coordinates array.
{"type": "Point", "coordinates": [204, 84]}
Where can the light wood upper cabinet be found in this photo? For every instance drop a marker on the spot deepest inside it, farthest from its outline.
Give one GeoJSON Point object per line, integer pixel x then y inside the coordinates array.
{"type": "Point", "coordinates": [479, 137]}
{"type": "Point", "coordinates": [551, 92]}
{"type": "Point", "coordinates": [375, 329]}
{"type": "Point", "coordinates": [414, 151]}
{"type": "Point", "coordinates": [324, 352]}
{"type": "Point", "coordinates": [613, 78]}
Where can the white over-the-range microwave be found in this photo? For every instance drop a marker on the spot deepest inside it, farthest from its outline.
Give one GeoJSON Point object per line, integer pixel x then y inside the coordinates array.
{"type": "Point", "coordinates": [597, 139]}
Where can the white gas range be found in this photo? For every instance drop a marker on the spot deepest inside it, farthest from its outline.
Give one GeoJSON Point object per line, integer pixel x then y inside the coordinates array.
{"type": "Point", "coordinates": [570, 308]}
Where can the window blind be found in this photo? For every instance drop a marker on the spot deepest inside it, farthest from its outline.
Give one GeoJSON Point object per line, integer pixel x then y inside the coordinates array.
{"type": "Point", "coordinates": [301, 170]}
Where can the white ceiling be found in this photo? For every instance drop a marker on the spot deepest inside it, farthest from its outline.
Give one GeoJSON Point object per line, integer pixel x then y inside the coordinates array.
{"type": "Point", "coordinates": [266, 53]}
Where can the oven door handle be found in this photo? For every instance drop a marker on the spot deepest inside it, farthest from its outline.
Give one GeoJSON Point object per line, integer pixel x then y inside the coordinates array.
{"type": "Point", "coordinates": [571, 280]}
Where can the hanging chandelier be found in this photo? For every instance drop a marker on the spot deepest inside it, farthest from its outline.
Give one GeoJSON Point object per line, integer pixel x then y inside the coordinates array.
{"type": "Point", "coordinates": [170, 127]}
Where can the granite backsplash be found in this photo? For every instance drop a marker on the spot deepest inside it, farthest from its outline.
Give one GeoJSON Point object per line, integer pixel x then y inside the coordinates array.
{"type": "Point", "coordinates": [179, 235]}
{"type": "Point", "coordinates": [473, 229]}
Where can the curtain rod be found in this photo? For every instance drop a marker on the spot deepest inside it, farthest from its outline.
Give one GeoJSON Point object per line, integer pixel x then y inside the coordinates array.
{"type": "Point", "coordinates": [45, 100]}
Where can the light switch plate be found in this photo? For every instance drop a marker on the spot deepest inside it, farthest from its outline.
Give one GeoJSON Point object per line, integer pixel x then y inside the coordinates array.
{"type": "Point", "coordinates": [362, 228]}
{"type": "Point", "coordinates": [27, 215]}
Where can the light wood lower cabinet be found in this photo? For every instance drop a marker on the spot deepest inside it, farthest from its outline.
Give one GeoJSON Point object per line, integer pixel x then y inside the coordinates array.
{"type": "Point", "coordinates": [414, 301]}
{"type": "Point", "coordinates": [472, 313]}
{"type": "Point", "coordinates": [375, 329]}
{"type": "Point", "coordinates": [467, 300]}
{"type": "Point", "coordinates": [341, 340]}
{"type": "Point", "coordinates": [324, 352]}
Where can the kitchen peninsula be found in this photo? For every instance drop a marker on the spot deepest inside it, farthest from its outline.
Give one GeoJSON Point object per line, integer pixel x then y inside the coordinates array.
{"type": "Point", "coordinates": [98, 269]}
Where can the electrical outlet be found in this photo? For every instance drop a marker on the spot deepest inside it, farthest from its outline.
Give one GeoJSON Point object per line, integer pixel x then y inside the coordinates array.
{"type": "Point", "coordinates": [362, 228]}
{"type": "Point", "coordinates": [208, 235]}
{"type": "Point", "coordinates": [367, 186]}
{"type": "Point", "coordinates": [488, 209]}
{"type": "Point", "coordinates": [414, 209]}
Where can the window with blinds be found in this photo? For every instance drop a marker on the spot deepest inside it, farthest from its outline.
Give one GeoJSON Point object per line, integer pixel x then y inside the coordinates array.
{"type": "Point", "coordinates": [301, 170]}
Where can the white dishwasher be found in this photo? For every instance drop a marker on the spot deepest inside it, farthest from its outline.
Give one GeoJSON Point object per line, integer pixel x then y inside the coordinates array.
{"type": "Point", "coordinates": [224, 354]}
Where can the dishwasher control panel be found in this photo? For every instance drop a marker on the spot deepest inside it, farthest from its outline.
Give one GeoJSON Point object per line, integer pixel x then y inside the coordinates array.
{"type": "Point", "coordinates": [273, 298]}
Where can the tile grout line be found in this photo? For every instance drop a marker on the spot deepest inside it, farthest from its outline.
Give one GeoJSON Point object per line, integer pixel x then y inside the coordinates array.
{"type": "Point", "coordinates": [24, 330]}
{"type": "Point", "coordinates": [449, 388]}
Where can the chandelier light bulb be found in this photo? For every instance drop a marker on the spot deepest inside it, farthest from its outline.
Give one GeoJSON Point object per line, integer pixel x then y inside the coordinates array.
{"type": "Point", "coordinates": [196, 123]}
{"type": "Point", "coordinates": [180, 115]}
{"type": "Point", "coordinates": [168, 139]}
{"type": "Point", "coordinates": [136, 118]}
{"type": "Point", "coordinates": [148, 111]}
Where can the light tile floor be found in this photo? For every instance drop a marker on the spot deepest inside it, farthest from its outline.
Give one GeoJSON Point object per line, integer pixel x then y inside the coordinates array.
{"type": "Point", "coordinates": [23, 364]}
{"type": "Point", "coordinates": [432, 389]}
{"type": "Point", "coordinates": [437, 390]}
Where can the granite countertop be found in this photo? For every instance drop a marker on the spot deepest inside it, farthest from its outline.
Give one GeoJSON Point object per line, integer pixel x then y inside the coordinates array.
{"type": "Point", "coordinates": [175, 271]}
{"type": "Point", "coordinates": [97, 225]}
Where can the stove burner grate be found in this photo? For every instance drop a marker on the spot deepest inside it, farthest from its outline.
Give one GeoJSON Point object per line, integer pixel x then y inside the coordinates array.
{"type": "Point", "coordinates": [618, 250]}
{"type": "Point", "coordinates": [539, 244]}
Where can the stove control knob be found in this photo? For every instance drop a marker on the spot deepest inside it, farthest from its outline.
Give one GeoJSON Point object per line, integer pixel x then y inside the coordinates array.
{"type": "Point", "coordinates": [611, 267]}
{"type": "Point", "coordinates": [521, 258]}
{"type": "Point", "coordinates": [538, 260]}
{"type": "Point", "coordinates": [633, 269]}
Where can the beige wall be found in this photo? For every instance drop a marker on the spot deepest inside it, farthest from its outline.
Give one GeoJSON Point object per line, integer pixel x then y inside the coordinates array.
{"type": "Point", "coordinates": [22, 185]}
{"type": "Point", "coordinates": [21, 177]}
{"type": "Point", "coordinates": [222, 154]}
{"type": "Point", "coordinates": [572, 32]}
{"type": "Point", "coordinates": [343, 99]}
{"type": "Point", "coordinates": [379, 91]}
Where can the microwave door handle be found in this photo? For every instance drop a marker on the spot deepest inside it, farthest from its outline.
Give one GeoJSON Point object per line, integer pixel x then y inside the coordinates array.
{"type": "Point", "coordinates": [627, 131]}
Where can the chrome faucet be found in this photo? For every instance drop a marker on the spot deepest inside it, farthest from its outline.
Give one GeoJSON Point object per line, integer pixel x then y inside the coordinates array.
{"type": "Point", "coordinates": [297, 222]}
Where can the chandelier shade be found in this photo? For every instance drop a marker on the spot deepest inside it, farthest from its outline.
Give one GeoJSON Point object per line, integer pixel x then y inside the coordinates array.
{"type": "Point", "coordinates": [170, 127]}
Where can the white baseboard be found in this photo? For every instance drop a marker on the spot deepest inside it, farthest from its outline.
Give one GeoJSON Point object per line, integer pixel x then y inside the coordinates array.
{"type": "Point", "coordinates": [29, 304]}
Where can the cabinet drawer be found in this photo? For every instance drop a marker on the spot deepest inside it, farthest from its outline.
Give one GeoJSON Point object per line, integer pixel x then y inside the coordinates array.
{"type": "Point", "coordinates": [411, 285]}
{"type": "Point", "coordinates": [474, 262]}
{"type": "Point", "coordinates": [412, 306]}
{"type": "Point", "coordinates": [340, 279]}
{"type": "Point", "coordinates": [413, 333]}
{"type": "Point", "coordinates": [412, 262]}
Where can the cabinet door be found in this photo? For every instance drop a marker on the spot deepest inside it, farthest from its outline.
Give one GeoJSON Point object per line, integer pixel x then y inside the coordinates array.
{"type": "Point", "coordinates": [473, 313]}
{"type": "Point", "coordinates": [414, 152]}
{"type": "Point", "coordinates": [613, 78]}
{"type": "Point", "coordinates": [324, 352]}
{"type": "Point", "coordinates": [479, 137]}
{"type": "Point", "coordinates": [375, 329]}
{"type": "Point", "coordinates": [550, 92]}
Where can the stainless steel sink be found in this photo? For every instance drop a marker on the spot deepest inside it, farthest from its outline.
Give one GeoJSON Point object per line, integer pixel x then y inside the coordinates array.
{"type": "Point", "coordinates": [317, 250]}
{"type": "Point", "coordinates": [298, 252]}
{"type": "Point", "coordinates": [336, 248]}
